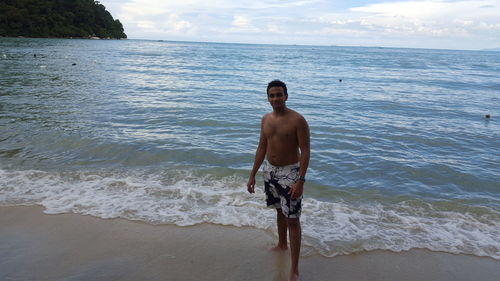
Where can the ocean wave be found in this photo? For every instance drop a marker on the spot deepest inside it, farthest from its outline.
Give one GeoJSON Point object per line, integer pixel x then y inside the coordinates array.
{"type": "Point", "coordinates": [187, 197]}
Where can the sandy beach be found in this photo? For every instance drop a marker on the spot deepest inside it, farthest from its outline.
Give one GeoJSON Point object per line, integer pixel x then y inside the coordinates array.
{"type": "Point", "coordinates": [37, 246]}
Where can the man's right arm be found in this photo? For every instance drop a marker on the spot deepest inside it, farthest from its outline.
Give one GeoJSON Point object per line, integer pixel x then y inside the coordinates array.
{"type": "Point", "coordinates": [260, 155]}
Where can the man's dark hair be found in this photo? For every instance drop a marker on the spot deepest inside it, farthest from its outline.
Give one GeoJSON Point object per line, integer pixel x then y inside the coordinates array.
{"type": "Point", "coordinates": [277, 83]}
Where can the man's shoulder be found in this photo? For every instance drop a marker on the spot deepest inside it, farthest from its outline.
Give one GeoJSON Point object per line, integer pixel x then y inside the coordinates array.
{"type": "Point", "coordinates": [296, 116]}
{"type": "Point", "coordinates": [266, 116]}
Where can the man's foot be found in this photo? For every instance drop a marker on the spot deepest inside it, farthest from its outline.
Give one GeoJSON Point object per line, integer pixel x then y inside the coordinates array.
{"type": "Point", "coordinates": [294, 277]}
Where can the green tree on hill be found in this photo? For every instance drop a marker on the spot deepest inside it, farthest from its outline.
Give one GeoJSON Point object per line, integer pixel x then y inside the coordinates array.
{"type": "Point", "coordinates": [57, 18]}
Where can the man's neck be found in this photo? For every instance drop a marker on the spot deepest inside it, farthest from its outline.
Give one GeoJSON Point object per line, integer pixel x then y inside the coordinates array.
{"type": "Point", "coordinates": [280, 111]}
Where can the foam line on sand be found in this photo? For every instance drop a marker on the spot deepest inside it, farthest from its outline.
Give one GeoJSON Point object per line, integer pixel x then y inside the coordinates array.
{"type": "Point", "coordinates": [36, 246]}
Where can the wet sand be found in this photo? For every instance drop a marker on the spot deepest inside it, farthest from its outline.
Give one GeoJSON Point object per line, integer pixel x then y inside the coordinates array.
{"type": "Point", "coordinates": [37, 246]}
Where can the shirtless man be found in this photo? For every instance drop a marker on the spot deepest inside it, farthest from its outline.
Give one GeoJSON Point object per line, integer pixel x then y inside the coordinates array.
{"type": "Point", "coordinates": [284, 141]}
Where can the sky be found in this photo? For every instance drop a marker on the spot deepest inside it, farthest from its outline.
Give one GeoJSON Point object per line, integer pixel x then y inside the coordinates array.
{"type": "Point", "coordinates": [435, 24]}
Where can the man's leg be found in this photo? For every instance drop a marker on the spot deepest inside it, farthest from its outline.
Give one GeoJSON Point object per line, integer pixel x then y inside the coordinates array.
{"type": "Point", "coordinates": [295, 232]}
{"type": "Point", "coordinates": [281, 221]}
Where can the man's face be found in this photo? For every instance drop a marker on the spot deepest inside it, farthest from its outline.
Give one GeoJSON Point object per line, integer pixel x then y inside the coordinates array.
{"type": "Point", "coordinates": [276, 97]}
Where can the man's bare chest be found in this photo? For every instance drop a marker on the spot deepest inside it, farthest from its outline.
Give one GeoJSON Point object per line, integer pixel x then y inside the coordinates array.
{"type": "Point", "coordinates": [279, 130]}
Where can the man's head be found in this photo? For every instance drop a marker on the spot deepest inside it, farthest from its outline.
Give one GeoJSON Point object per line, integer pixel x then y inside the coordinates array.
{"type": "Point", "coordinates": [277, 83]}
{"type": "Point", "coordinates": [277, 94]}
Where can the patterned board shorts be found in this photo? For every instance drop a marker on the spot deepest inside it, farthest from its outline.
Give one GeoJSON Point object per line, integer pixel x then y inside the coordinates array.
{"type": "Point", "coordinates": [278, 181]}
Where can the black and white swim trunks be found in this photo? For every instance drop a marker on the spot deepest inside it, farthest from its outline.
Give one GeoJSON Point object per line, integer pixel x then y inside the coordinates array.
{"type": "Point", "coordinates": [278, 181]}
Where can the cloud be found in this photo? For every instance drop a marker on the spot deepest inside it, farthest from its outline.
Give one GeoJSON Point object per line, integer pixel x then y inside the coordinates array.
{"type": "Point", "coordinates": [242, 24]}
{"type": "Point", "coordinates": [431, 23]}
{"type": "Point", "coordinates": [437, 23]}
{"type": "Point", "coordinates": [432, 18]}
{"type": "Point", "coordinates": [240, 21]}
{"type": "Point", "coordinates": [148, 25]}
{"type": "Point", "coordinates": [157, 17]}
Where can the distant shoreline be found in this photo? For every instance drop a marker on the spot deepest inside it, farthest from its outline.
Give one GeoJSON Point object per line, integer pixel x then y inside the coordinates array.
{"type": "Point", "coordinates": [491, 50]}
{"type": "Point", "coordinates": [44, 18]}
{"type": "Point", "coordinates": [258, 44]}
{"type": "Point", "coordinates": [89, 37]}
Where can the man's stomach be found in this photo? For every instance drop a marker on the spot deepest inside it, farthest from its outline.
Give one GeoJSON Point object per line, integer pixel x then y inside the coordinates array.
{"type": "Point", "coordinates": [282, 160]}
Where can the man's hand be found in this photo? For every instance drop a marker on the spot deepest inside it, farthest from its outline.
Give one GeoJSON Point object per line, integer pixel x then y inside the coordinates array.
{"type": "Point", "coordinates": [251, 184]}
{"type": "Point", "coordinates": [296, 190]}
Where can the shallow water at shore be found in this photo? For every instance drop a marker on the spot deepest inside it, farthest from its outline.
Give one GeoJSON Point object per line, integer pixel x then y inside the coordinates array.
{"type": "Point", "coordinates": [165, 132]}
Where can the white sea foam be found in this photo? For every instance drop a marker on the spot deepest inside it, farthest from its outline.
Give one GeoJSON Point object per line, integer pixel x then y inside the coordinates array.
{"type": "Point", "coordinates": [185, 198]}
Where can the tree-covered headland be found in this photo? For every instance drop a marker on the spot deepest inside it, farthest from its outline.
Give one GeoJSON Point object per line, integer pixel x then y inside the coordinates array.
{"type": "Point", "coordinates": [58, 18]}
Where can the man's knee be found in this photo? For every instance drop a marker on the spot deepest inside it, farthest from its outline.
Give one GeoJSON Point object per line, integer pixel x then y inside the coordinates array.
{"type": "Point", "coordinates": [293, 222]}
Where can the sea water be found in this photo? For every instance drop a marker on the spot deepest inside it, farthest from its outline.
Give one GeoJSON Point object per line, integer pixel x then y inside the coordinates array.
{"type": "Point", "coordinates": [165, 132]}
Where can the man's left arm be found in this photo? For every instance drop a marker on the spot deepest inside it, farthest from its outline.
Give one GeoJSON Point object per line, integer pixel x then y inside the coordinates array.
{"type": "Point", "coordinates": [305, 152]}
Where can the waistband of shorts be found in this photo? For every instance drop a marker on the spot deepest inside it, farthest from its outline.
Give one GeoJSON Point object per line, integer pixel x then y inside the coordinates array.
{"type": "Point", "coordinates": [271, 166]}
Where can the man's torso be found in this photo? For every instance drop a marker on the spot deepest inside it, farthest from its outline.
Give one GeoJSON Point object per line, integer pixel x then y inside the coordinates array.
{"type": "Point", "coordinates": [281, 135]}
